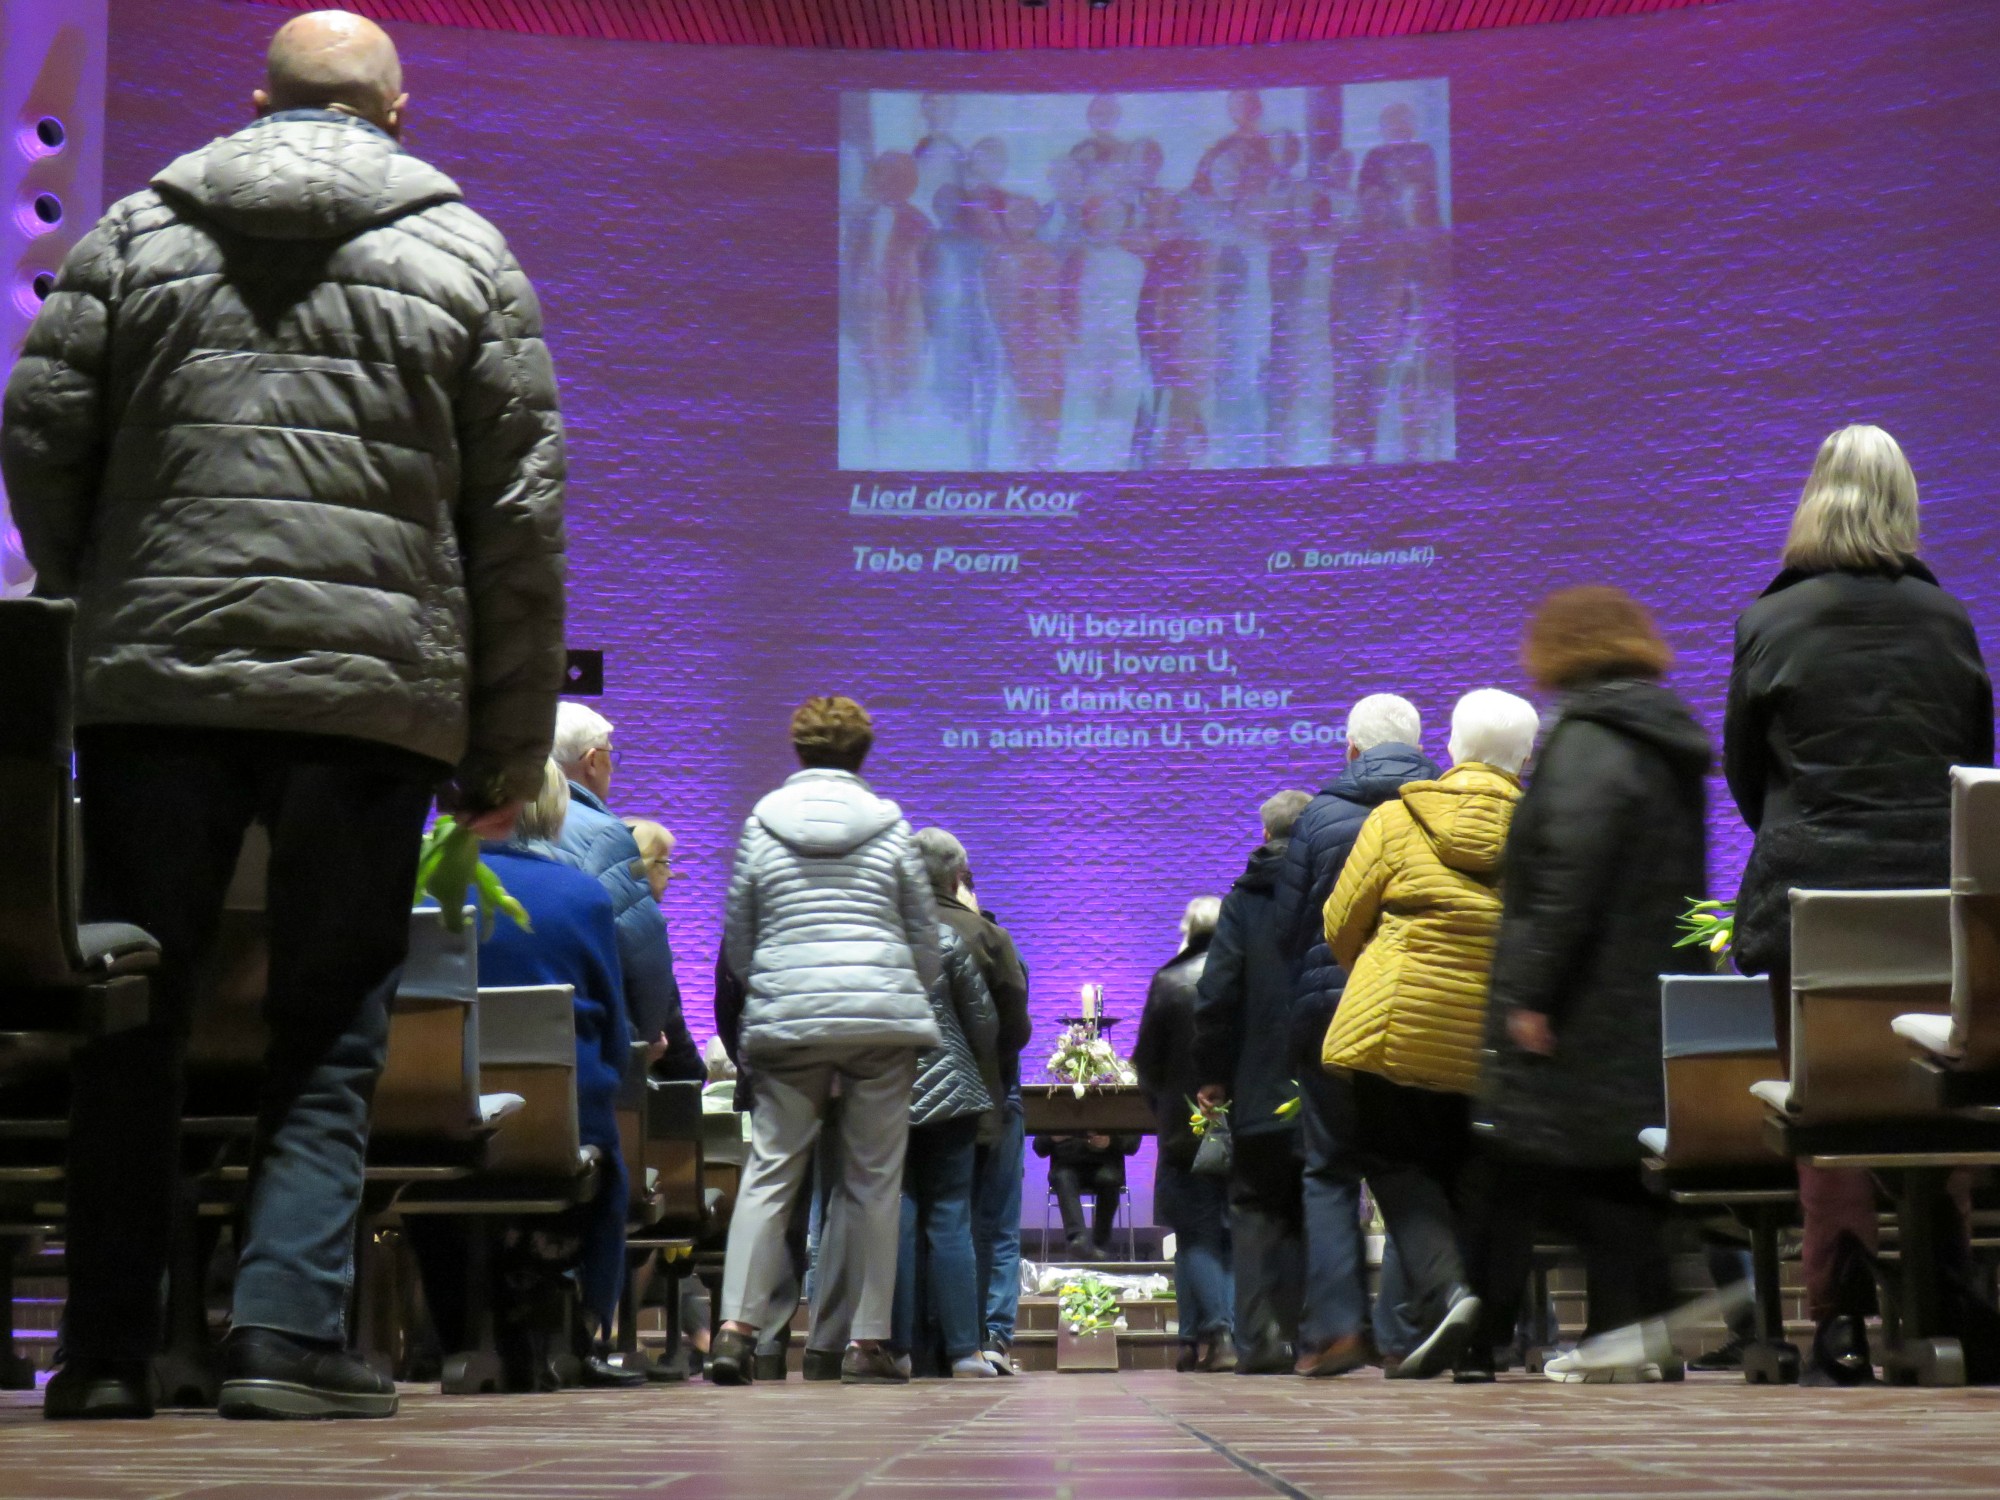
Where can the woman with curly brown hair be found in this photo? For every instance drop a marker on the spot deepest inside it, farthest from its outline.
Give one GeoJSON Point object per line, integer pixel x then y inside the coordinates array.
{"type": "Point", "coordinates": [1605, 850]}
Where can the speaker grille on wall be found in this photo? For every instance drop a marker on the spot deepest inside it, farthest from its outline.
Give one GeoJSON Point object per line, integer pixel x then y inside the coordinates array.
{"type": "Point", "coordinates": [52, 115]}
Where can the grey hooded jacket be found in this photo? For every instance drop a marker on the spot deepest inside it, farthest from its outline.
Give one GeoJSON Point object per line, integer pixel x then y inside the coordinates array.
{"type": "Point", "coordinates": [831, 926]}
{"type": "Point", "coordinates": [953, 1080]}
{"type": "Point", "coordinates": [286, 431]}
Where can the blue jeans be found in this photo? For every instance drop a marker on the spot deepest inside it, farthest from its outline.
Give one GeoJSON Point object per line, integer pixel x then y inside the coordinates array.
{"type": "Point", "coordinates": [164, 816]}
{"type": "Point", "coordinates": [1196, 1208]}
{"type": "Point", "coordinates": [996, 1225]}
{"type": "Point", "coordinates": [943, 1277]}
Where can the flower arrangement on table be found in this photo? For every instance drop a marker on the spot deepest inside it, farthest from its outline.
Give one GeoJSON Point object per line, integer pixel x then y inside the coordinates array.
{"type": "Point", "coordinates": [1084, 1058]}
{"type": "Point", "coordinates": [1088, 1304]}
{"type": "Point", "coordinates": [1710, 925]}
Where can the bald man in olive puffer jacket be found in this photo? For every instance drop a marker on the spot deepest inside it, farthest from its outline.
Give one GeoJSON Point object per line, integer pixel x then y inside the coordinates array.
{"type": "Point", "coordinates": [286, 432]}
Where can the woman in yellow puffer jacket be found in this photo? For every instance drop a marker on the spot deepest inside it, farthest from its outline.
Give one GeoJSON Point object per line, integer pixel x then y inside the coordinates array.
{"type": "Point", "coordinates": [1413, 921]}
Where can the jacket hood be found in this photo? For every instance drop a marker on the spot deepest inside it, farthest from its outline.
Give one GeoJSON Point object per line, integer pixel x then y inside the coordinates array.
{"type": "Point", "coordinates": [826, 813]}
{"type": "Point", "coordinates": [1649, 712]}
{"type": "Point", "coordinates": [1376, 775]}
{"type": "Point", "coordinates": [315, 177]}
{"type": "Point", "coordinates": [1266, 860]}
{"type": "Point", "coordinates": [1465, 814]}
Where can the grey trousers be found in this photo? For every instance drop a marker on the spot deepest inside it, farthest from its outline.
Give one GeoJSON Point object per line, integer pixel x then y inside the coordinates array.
{"type": "Point", "coordinates": [855, 1280]}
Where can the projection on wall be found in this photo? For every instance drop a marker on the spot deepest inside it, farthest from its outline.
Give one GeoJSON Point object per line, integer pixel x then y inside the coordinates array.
{"type": "Point", "coordinates": [1245, 279]}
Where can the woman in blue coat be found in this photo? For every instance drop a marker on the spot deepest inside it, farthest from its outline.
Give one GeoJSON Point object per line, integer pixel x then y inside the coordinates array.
{"type": "Point", "coordinates": [571, 939]}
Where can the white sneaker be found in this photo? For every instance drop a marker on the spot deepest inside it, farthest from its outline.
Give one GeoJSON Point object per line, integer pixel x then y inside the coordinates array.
{"type": "Point", "coordinates": [1578, 1369]}
{"type": "Point", "coordinates": [972, 1367]}
{"type": "Point", "coordinates": [1001, 1364]}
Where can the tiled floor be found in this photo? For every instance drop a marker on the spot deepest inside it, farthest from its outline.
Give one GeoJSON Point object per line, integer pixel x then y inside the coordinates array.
{"type": "Point", "coordinates": [1055, 1437]}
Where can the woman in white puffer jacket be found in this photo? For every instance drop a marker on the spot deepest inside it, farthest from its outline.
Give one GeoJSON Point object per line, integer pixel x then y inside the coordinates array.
{"type": "Point", "coordinates": [833, 932]}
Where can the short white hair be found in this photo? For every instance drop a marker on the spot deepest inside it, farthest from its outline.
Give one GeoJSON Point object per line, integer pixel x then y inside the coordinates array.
{"type": "Point", "coordinates": [1494, 729]}
{"type": "Point", "coordinates": [1199, 920]}
{"type": "Point", "coordinates": [1859, 508]}
{"type": "Point", "coordinates": [1384, 719]}
{"type": "Point", "coordinates": [579, 730]}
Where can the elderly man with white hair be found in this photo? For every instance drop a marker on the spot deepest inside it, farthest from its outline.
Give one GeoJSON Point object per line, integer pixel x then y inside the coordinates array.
{"type": "Point", "coordinates": [1413, 920]}
{"type": "Point", "coordinates": [286, 432]}
{"type": "Point", "coordinates": [602, 845]}
{"type": "Point", "coordinates": [1384, 736]}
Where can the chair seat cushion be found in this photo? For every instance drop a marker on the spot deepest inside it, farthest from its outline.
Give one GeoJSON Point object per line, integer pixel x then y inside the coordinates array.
{"type": "Point", "coordinates": [1932, 1033]}
{"type": "Point", "coordinates": [1654, 1139]}
{"type": "Point", "coordinates": [113, 949]}
{"type": "Point", "coordinates": [1774, 1092]}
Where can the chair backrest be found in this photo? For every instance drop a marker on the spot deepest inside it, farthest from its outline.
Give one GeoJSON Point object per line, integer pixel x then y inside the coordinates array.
{"type": "Point", "coordinates": [430, 1078]}
{"type": "Point", "coordinates": [527, 1046]}
{"type": "Point", "coordinates": [1859, 960]}
{"type": "Point", "coordinates": [1719, 1037]}
{"type": "Point", "coordinates": [1975, 917]}
{"type": "Point", "coordinates": [673, 1153]}
{"type": "Point", "coordinates": [38, 878]}
{"type": "Point", "coordinates": [633, 1104]}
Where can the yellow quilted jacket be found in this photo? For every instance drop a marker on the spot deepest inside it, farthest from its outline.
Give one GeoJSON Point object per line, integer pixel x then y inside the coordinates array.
{"type": "Point", "coordinates": [1413, 921]}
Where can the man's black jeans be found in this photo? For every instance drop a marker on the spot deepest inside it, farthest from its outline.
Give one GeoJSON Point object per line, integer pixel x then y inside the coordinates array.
{"type": "Point", "coordinates": [164, 816]}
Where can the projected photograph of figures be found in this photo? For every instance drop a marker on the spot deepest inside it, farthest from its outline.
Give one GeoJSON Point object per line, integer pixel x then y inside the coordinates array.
{"type": "Point", "coordinates": [1251, 279]}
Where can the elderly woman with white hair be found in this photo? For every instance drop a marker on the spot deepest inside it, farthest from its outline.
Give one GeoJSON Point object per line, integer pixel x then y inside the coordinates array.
{"type": "Point", "coordinates": [1858, 683]}
{"type": "Point", "coordinates": [1413, 920]}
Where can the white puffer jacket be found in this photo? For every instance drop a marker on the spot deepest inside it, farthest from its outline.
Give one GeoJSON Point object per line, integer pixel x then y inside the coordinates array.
{"type": "Point", "coordinates": [831, 925]}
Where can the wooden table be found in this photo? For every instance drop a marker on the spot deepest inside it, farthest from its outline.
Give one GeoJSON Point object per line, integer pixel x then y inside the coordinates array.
{"type": "Point", "coordinates": [1054, 1109]}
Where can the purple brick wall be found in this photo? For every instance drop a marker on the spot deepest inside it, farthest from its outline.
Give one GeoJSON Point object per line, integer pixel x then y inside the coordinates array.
{"type": "Point", "coordinates": [1686, 247]}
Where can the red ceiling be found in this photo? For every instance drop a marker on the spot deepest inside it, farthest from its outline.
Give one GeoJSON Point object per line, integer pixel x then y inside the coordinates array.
{"type": "Point", "coordinates": [985, 25]}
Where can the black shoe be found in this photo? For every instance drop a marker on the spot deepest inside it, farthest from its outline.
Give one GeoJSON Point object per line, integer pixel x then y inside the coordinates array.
{"type": "Point", "coordinates": [732, 1359]}
{"type": "Point", "coordinates": [870, 1366]}
{"type": "Point", "coordinates": [772, 1364]}
{"type": "Point", "coordinates": [1839, 1354]}
{"type": "Point", "coordinates": [1728, 1356]}
{"type": "Point", "coordinates": [821, 1364]}
{"type": "Point", "coordinates": [598, 1373]}
{"type": "Point", "coordinates": [99, 1389]}
{"type": "Point", "coordinates": [1442, 1348]}
{"type": "Point", "coordinates": [1265, 1359]}
{"type": "Point", "coordinates": [1474, 1367]}
{"type": "Point", "coordinates": [266, 1373]}
{"type": "Point", "coordinates": [1189, 1360]}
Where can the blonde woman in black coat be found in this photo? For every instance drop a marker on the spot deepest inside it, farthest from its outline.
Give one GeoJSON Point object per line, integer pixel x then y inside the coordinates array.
{"type": "Point", "coordinates": [1857, 685]}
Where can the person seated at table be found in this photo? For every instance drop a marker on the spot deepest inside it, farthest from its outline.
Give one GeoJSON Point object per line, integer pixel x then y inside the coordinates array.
{"type": "Point", "coordinates": [570, 940]}
{"type": "Point", "coordinates": [1080, 1164]}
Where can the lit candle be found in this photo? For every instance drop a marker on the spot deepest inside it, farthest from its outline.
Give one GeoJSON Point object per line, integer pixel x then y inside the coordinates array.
{"type": "Point", "coordinates": [1090, 994]}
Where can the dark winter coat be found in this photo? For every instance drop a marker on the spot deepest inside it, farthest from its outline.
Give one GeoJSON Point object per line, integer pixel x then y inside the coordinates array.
{"type": "Point", "coordinates": [1164, 1054]}
{"type": "Point", "coordinates": [1606, 848]}
{"type": "Point", "coordinates": [953, 1080]}
{"type": "Point", "coordinates": [1321, 840]}
{"type": "Point", "coordinates": [1242, 1019]}
{"type": "Point", "coordinates": [286, 431]}
{"type": "Point", "coordinates": [1852, 696]}
{"type": "Point", "coordinates": [1007, 982]}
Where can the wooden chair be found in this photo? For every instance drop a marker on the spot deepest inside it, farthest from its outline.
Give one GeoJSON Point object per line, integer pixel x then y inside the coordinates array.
{"type": "Point", "coordinates": [62, 981]}
{"type": "Point", "coordinates": [1711, 1155]}
{"type": "Point", "coordinates": [535, 1160]}
{"type": "Point", "coordinates": [1957, 1061]}
{"type": "Point", "coordinates": [1861, 960]}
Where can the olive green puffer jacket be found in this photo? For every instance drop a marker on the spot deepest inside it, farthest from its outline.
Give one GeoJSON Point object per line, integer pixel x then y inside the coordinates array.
{"type": "Point", "coordinates": [287, 432]}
